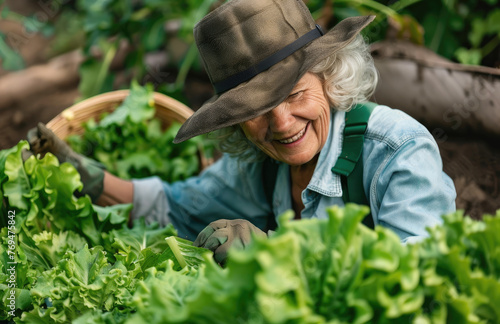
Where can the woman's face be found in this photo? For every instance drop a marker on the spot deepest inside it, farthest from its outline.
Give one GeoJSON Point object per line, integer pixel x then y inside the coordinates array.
{"type": "Point", "coordinates": [295, 131]}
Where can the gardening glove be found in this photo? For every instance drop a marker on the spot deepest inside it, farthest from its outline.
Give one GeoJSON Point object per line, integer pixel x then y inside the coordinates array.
{"type": "Point", "coordinates": [220, 235]}
{"type": "Point", "coordinates": [43, 140]}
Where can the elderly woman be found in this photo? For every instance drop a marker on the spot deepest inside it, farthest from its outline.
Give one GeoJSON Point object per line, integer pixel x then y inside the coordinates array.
{"type": "Point", "coordinates": [283, 88]}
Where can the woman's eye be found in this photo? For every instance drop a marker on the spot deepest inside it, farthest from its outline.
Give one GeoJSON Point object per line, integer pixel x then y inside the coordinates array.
{"type": "Point", "coordinates": [295, 94]}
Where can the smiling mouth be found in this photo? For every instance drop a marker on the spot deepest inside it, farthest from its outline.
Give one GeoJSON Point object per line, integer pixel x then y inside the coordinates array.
{"type": "Point", "coordinates": [295, 137]}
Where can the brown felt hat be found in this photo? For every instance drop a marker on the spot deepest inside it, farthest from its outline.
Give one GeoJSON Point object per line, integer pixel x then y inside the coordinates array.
{"type": "Point", "coordinates": [254, 52]}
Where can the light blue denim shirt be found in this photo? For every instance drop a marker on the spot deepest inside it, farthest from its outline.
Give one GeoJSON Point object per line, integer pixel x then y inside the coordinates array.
{"type": "Point", "coordinates": [403, 180]}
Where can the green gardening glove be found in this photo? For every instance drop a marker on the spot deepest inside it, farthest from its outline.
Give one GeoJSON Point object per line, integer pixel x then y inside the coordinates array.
{"type": "Point", "coordinates": [222, 234]}
{"type": "Point", "coordinates": [42, 140]}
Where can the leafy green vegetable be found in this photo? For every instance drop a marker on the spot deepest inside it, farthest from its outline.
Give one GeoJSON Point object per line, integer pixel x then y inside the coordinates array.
{"type": "Point", "coordinates": [61, 256]}
{"type": "Point", "coordinates": [130, 142]}
{"type": "Point", "coordinates": [332, 270]}
{"type": "Point", "coordinates": [335, 271]}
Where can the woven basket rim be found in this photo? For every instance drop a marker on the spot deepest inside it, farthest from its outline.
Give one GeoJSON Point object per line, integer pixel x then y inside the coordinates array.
{"type": "Point", "coordinates": [72, 117]}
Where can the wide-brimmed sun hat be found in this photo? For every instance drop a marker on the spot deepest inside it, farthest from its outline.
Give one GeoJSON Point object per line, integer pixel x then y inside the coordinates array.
{"type": "Point", "coordinates": [254, 52]}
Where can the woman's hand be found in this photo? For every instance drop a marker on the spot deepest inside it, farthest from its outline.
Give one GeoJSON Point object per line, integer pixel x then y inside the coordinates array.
{"type": "Point", "coordinates": [43, 140]}
{"type": "Point", "coordinates": [220, 235]}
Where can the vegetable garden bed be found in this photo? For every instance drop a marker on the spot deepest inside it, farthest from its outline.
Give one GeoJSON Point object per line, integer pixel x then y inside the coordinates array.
{"type": "Point", "coordinates": [78, 262]}
{"type": "Point", "coordinates": [66, 260]}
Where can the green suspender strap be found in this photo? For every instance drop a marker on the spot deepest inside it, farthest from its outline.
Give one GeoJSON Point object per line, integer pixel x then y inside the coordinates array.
{"type": "Point", "coordinates": [350, 162]}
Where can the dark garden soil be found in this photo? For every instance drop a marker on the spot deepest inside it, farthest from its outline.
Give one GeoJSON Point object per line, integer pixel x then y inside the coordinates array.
{"type": "Point", "coordinates": [474, 166]}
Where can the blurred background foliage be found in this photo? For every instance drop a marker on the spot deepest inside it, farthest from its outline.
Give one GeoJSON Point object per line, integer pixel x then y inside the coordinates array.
{"type": "Point", "coordinates": [154, 35]}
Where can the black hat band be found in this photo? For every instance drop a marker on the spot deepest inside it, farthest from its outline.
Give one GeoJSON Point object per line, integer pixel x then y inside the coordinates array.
{"type": "Point", "coordinates": [245, 75]}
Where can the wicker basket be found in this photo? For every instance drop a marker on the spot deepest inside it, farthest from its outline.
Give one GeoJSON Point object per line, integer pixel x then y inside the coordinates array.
{"type": "Point", "coordinates": [70, 121]}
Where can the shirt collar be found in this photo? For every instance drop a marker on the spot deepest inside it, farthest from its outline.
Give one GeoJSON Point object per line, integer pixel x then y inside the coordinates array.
{"type": "Point", "coordinates": [324, 181]}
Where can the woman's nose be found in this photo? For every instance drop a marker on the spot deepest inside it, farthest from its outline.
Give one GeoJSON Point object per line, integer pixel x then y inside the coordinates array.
{"type": "Point", "coordinates": [280, 119]}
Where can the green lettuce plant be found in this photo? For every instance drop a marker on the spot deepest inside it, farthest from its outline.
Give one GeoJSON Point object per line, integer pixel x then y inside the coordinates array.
{"type": "Point", "coordinates": [332, 270]}
{"type": "Point", "coordinates": [70, 256]}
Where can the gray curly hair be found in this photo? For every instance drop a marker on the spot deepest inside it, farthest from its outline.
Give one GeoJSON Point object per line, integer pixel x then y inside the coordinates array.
{"type": "Point", "coordinates": [349, 77]}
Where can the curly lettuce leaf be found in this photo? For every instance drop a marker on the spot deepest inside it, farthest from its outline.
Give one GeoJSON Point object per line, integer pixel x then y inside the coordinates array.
{"type": "Point", "coordinates": [337, 271]}
{"type": "Point", "coordinates": [80, 282]}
